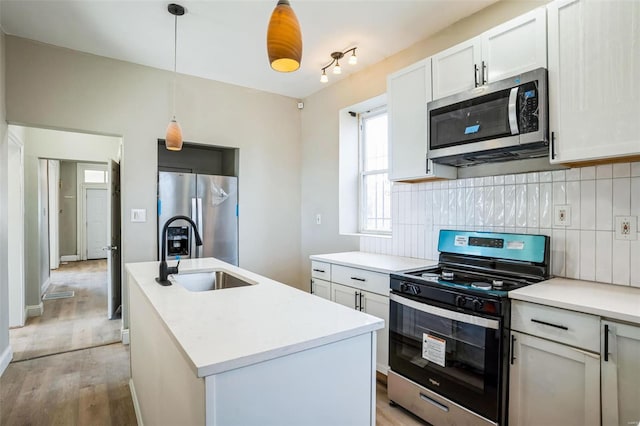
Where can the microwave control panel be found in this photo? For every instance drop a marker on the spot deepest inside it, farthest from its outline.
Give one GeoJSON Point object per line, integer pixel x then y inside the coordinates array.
{"type": "Point", "coordinates": [528, 107]}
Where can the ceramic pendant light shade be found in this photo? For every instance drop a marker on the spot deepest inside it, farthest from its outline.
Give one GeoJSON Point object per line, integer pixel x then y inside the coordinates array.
{"type": "Point", "coordinates": [284, 39]}
{"type": "Point", "coordinates": [173, 139]}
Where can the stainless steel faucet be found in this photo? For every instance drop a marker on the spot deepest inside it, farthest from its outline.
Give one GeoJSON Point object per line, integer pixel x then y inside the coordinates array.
{"type": "Point", "coordinates": [163, 273]}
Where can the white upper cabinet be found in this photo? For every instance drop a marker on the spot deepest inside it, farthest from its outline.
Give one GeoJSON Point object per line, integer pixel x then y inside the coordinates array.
{"type": "Point", "coordinates": [408, 92]}
{"type": "Point", "coordinates": [594, 79]}
{"type": "Point", "coordinates": [509, 49]}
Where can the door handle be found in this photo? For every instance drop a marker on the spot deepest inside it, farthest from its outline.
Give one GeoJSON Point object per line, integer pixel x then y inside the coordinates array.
{"type": "Point", "coordinates": [485, 71]}
{"type": "Point", "coordinates": [475, 75]}
{"type": "Point", "coordinates": [110, 248]}
{"type": "Point", "coordinates": [513, 348]}
{"type": "Point", "coordinates": [355, 301]}
{"type": "Point", "coordinates": [361, 305]}
{"type": "Point", "coordinates": [606, 342]}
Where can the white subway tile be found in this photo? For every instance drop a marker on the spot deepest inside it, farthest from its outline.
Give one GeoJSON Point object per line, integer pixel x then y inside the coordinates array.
{"type": "Point", "coordinates": [588, 255]}
{"type": "Point", "coordinates": [635, 169]}
{"type": "Point", "coordinates": [521, 178]}
{"type": "Point", "coordinates": [559, 193]}
{"type": "Point", "coordinates": [558, 243]}
{"type": "Point", "coordinates": [533, 205]}
{"type": "Point", "coordinates": [479, 207]}
{"type": "Point", "coordinates": [621, 259]}
{"type": "Point", "coordinates": [635, 196]}
{"type": "Point", "coordinates": [545, 177]}
{"type": "Point", "coordinates": [509, 205]}
{"type": "Point", "coordinates": [573, 199]}
{"type": "Point", "coordinates": [468, 182]}
{"type": "Point", "coordinates": [428, 245]}
{"type": "Point", "coordinates": [395, 208]}
{"type": "Point", "coordinates": [604, 205]}
{"type": "Point", "coordinates": [546, 205]}
{"type": "Point", "coordinates": [444, 184]}
{"type": "Point", "coordinates": [452, 206]}
{"type": "Point", "coordinates": [604, 242]}
{"type": "Point", "coordinates": [558, 175]}
{"type": "Point", "coordinates": [532, 177]}
{"type": "Point", "coordinates": [478, 182]}
{"type": "Point", "coordinates": [421, 207]}
{"type": "Point", "coordinates": [572, 174]}
{"type": "Point", "coordinates": [460, 206]}
{"type": "Point", "coordinates": [572, 254]}
{"type": "Point", "coordinates": [604, 171]}
{"type": "Point", "coordinates": [437, 201]}
{"type": "Point", "coordinates": [621, 197]}
{"type": "Point", "coordinates": [588, 204]}
{"type": "Point", "coordinates": [520, 230]}
{"type": "Point", "coordinates": [420, 235]}
{"type": "Point", "coordinates": [395, 241]}
{"type": "Point", "coordinates": [498, 180]}
{"type": "Point", "coordinates": [470, 199]}
{"type": "Point", "coordinates": [621, 170]}
{"type": "Point", "coordinates": [428, 186]}
{"type": "Point", "coordinates": [444, 207]}
{"type": "Point", "coordinates": [488, 181]}
{"type": "Point", "coordinates": [521, 205]}
{"type": "Point", "coordinates": [489, 204]}
{"type": "Point", "coordinates": [587, 173]}
{"type": "Point", "coordinates": [509, 179]}
{"type": "Point", "coordinates": [460, 183]}
{"type": "Point", "coordinates": [453, 184]}
{"type": "Point", "coordinates": [413, 229]}
{"type": "Point", "coordinates": [634, 272]}
{"type": "Point", "coordinates": [498, 206]}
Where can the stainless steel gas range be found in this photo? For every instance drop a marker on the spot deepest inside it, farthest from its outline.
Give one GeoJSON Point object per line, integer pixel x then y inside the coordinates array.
{"type": "Point", "coordinates": [449, 326]}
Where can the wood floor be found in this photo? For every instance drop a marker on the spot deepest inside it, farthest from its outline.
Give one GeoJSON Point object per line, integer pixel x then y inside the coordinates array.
{"type": "Point", "coordinates": [72, 323]}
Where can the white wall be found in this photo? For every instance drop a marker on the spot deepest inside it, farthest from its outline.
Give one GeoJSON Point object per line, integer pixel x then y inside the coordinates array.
{"type": "Point", "coordinates": [59, 88]}
{"type": "Point", "coordinates": [320, 126]}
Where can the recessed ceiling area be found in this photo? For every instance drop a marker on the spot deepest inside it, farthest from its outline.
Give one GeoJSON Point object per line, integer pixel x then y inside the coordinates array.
{"type": "Point", "coordinates": [226, 40]}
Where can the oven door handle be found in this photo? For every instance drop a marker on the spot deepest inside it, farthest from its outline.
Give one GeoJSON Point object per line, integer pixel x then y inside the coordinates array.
{"type": "Point", "coordinates": [446, 313]}
{"type": "Point", "coordinates": [434, 402]}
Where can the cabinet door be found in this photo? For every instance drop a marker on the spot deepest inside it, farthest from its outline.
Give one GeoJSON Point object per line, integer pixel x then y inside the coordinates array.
{"type": "Point", "coordinates": [515, 47]}
{"type": "Point", "coordinates": [552, 384]}
{"type": "Point", "coordinates": [456, 69]}
{"type": "Point", "coordinates": [378, 306]}
{"type": "Point", "coordinates": [620, 374]}
{"type": "Point", "coordinates": [321, 288]}
{"type": "Point", "coordinates": [594, 94]}
{"type": "Point", "coordinates": [344, 295]}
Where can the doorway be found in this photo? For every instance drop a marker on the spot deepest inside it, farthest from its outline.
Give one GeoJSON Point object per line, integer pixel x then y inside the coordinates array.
{"type": "Point", "coordinates": [68, 286]}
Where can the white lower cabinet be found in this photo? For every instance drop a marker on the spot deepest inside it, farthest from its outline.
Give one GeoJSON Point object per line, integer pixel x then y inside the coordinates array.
{"type": "Point", "coordinates": [620, 374]}
{"type": "Point", "coordinates": [321, 288]}
{"type": "Point", "coordinates": [372, 304]}
{"type": "Point", "coordinates": [552, 384]}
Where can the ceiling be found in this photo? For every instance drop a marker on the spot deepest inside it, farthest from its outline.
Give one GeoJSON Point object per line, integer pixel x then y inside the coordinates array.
{"type": "Point", "coordinates": [226, 40]}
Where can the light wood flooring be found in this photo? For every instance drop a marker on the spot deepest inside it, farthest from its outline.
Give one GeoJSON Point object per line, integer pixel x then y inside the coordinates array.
{"type": "Point", "coordinates": [72, 323]}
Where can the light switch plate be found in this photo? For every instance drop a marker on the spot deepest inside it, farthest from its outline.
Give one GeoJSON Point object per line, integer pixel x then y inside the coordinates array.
{"type": "Point", "coordinates": [138, 215]}
{"type": "Point", "coordinates": [562, 215]}
{"type": "Point", "coordinates": [626, 228]}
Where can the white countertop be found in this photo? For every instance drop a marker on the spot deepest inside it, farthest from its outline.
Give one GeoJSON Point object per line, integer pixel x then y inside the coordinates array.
{"type": "Point", "coordinates": [375, 262]}
{"type": "Point", "coordinates": [222, 330]}
{"type": "Point", "coordinates": [606, 300]}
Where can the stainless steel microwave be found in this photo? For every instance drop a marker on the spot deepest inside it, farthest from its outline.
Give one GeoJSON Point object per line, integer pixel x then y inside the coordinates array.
{"type": "Point", "coordinates": [502, 121]}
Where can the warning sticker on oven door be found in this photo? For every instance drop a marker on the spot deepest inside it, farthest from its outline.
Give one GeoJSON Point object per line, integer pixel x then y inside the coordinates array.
{"type": "Point", "coordinates": [434, 349]}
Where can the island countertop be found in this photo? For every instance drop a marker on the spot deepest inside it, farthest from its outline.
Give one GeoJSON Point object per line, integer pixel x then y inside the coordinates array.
{"type": "Point", "coordinates": [221, 330]}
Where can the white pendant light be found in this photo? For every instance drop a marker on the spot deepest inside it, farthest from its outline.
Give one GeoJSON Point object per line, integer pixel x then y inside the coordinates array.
{"type": "Point", "coordinates": [173, 138]}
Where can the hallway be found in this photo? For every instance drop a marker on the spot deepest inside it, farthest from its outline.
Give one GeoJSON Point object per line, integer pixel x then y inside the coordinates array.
{"type": "Point", "coordinates": [71, 323]}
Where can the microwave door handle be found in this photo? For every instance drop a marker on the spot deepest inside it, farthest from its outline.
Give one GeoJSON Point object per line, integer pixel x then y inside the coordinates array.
{"type": "Point", "coordinates": [513, 116]}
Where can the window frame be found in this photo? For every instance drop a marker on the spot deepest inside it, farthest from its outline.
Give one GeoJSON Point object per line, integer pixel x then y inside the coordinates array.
{"type": "Point", "coordinates": [362, 174]}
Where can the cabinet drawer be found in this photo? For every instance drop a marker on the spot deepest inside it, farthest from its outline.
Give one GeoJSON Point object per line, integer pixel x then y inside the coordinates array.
{"type": "Point", "coordinates": [560, 325]}
{"type": "Point", "coordinates": [374, 282]}
{"type": "Point", "coordinates": [321, 270]}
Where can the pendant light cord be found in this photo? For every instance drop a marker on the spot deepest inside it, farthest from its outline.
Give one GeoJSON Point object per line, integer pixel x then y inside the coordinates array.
{"type": "Point", "coordinates": [175, 50]}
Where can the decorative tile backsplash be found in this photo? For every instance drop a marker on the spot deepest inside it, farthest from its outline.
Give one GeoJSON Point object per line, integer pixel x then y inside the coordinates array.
{"type": "Point", "coordinates": [584, 247]}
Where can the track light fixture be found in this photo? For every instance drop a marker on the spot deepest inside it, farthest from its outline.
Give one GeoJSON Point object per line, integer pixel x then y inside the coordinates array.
{"type": "Point", "coordinates": [337, 69]}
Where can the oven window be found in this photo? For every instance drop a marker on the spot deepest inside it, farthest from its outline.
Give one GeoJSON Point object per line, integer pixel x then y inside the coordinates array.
{"type": "Point", "coordinates": [457, 359]}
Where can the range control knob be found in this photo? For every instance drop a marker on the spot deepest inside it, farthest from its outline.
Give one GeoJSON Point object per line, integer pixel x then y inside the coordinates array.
{"type": "Point", "coordinates": [460, 301]}
{"type": "Point", "coordinates": [477, 305]}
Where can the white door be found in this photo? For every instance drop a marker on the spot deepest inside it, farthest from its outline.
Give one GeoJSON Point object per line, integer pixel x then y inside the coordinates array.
{"type": "Point", "coordinates": [594, 94]}
{"type": "Point", "coordinates": [321, 288]}
{"type": "Point", "coordinates": [344, 295]}
{"type": "Point", "coordinates": [552, 384]}
{"type": "Point", "coordinates": [114, 266]}
{"type": "Point", "coordinates": [15, 234]}
{"type": "Point", "coordinates": [620, 374]}
{"type": "Point", "coordinates": [96, 218]}
{"type": "Point", "coordinates": [457, 69]}
{"type": "Point", "coordinates": [378, 306]}
{"type": "Point", "coordinates": [54, 213]}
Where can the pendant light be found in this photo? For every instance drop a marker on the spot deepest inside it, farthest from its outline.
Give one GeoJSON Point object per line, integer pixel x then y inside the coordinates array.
{"type": "Point", "coordinates": [284, 39]}
{"type": "Point", "coordinates": [173, 139]}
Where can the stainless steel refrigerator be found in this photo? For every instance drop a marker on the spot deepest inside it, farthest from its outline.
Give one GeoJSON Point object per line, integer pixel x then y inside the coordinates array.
{"type": "Point", "coordinates": [211, 202]}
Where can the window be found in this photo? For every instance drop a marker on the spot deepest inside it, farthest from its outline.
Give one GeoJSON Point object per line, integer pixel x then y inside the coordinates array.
{"type": "Point", "coordinates": [375, 188]}
{"type": "Point", "coordinates": [95, 176]}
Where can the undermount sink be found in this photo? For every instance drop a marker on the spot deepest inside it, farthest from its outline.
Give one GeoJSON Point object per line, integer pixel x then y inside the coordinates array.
{"type": "Point", "coordinates": [209, 280]}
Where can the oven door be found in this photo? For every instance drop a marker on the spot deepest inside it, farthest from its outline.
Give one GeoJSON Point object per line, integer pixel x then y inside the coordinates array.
{"type": "Point", "coordinates": [453, 353]}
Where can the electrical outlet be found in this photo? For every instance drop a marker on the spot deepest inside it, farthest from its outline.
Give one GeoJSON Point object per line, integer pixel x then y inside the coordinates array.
{"type": "Point", "coordinates": [318, 219]}
{"type": "Point", "coordinates": [626, 228]}
{"type": "Point", "coordinates": [562, 215]}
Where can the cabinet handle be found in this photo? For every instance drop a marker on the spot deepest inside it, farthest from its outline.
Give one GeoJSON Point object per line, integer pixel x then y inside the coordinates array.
{"type": "Point", "coordinates": [358, 279]}
{"type": "Point", "coordinates": [513, 346]}
{"type": "Point", "coordinates": [322, 271]}
{"type": "Point", "coordinates": [606, 342]}
{"type": "Point", "coordinates": [475, 75]}
{"type": "Point", "coordinates": [434, 403]}
{"type": "Point", "coordinates": [484, 73]}
{"type": "Point", "coordinates": [355, 301]}
{"type": "Point", "coordinates": [562, 327]}
{"type": "Point", "coordinates": [361, 305]}
{"type": "Point", "coordinates": [427, 163]}
{"type": "Point", "coordinates": [553, 145]}
{"type": "Point", "coordinates": [311, 286]}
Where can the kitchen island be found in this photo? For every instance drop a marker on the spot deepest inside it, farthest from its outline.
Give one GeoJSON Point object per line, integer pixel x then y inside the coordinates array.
{"type": "Point", "coordinates": [256, 355]}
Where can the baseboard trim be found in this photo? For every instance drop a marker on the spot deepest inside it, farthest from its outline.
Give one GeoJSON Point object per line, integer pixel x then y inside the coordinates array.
{"type": "Point", "coordinates": [5, 359]}
{"type": "Point", "coordinates": [136, 405]}
{"type": "Point", "coordinates": [124, 333]}
{"type": "Point", "coordinates": [69, 258]}
{"type": "Point", "coordinates": [34, 310]}
{"type": "Point", "coordinates": [45, 286]}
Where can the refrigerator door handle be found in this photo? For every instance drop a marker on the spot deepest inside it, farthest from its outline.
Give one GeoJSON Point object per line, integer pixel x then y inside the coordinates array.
{"type": "Point", "coordinates": [199, 223]}
{"type": "Point", "coordinates": [194, 217]}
